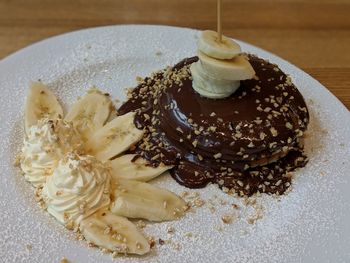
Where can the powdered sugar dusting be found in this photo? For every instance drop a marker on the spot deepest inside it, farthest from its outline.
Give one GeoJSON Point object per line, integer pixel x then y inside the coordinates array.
{"type": "Point", "coordinates": [309, 224]}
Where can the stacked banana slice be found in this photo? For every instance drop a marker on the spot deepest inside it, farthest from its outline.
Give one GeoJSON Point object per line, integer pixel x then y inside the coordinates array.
{"type": "Point", "coordinates": [220, 68]}
{"type": "Point", "coordinates": [123, 193]}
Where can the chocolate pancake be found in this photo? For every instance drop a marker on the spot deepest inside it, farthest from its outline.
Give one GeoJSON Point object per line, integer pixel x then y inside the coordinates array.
{"type": "Point", "coordinates": [247, 142]}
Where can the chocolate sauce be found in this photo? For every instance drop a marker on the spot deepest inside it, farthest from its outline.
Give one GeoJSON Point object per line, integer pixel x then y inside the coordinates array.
{"type": "Point", "coordinates": [230, 141]}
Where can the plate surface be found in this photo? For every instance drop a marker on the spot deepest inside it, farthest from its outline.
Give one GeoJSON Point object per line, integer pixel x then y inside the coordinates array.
{"type": "Point", "coordinates": [309, 224]}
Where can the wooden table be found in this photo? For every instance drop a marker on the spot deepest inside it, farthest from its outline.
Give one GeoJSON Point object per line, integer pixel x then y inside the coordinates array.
{"type": "Point", "coordinates": [312, 34]}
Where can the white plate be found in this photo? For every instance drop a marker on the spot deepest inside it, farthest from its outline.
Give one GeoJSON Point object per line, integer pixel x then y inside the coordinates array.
{"type": "Point", "coordinates": [310, 224]}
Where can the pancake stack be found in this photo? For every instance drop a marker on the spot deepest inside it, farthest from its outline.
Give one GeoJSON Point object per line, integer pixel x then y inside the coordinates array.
{"type": "Point", "coordinates": [247, 142]}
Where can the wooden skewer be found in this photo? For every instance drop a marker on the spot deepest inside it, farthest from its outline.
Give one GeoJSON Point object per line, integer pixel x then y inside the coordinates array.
{"type": "Point", "coordinates": [219, 20]}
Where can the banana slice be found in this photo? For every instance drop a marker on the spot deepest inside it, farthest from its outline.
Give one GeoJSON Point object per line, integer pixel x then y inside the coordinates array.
{"type": "Point", "coordinates": [114, 138]}
{"type": "Point", "coordinates": [208, 94]}
{"type": "Point", "coordinates": [134, 199]}
{"type": "Point", "coordinates": [209, 44]}
{"type": "Point", "coordinates": [211, 87]}
{"type": "Point", "coordinates": [237, 68]}
{"type": "Point", "coordinates": [124, 168]}
{"type": "Point", "coordinates": [90, 113]}
{"type": "Point", "coordinates": [114, 233]}
{"type": "Point", "coordinates": [41, 102]}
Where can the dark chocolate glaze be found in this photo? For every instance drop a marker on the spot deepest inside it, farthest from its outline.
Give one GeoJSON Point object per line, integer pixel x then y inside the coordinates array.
{"type": "Point", "coordinates": [222, 141]}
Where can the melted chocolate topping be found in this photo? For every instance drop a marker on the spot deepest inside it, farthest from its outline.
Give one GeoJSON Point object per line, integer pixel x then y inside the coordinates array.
{"type": "Point", "coordinates": [230, 141]}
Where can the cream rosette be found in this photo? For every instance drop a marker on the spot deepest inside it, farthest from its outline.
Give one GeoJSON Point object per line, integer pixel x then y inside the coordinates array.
{"type": "Point", "coordinates": [78, 187]}
{"type": "Point", "coordinates": [45, 144]}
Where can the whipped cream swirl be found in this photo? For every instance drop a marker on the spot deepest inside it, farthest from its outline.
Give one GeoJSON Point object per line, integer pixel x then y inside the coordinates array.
{"type": "Point", "coordinates": [79, 187]}
{"type": "Point", "coordinates": [44, 145]}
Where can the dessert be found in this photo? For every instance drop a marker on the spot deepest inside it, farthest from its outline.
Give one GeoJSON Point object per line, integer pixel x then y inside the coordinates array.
{"type": "Point", "coordinates": [222, 117]}
{"type": "Point", "coordinates": [246, 140]}
{"type": "Point", "coordinates": [68, 161]}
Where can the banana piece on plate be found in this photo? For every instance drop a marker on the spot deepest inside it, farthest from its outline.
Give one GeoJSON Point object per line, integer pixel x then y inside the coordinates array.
{"type": "Point", "coordinates": [135, 199]}
{"type": "Point", "coordinates": [237, 68]}
{"type": "Point", "coordinates": [210, 87]}
{"type": "Point", "coordinates": [90, 113]}
{"type": "Point", "coordinates": [209, 44]}
{"type": "Point", "coordinates": [114, 233]}
{"type": "Point", "coordinates": [41, 103]}
{"type": "Point", "coordinates": [114, 138]}
{"type": "Point", "coordinates": [124, 168]}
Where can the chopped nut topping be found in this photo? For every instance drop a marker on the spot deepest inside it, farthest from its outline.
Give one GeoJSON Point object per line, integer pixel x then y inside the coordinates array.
{"type": "Point", "coordinates": [262, 135]}
{"type": "Point", "coordinates": [151, 242]}
{"type": "Point", "coordinates": [273, 131]}
{"type": "Point", "coordinates": [107, 230]}
{"type": "Point", "coordinates": [64, 260]}
{"type": "Point", "coordinates": [140, 224]}
{"type": "Point", "coordinates": [171, 230]}
{"type": "Point", "coordinates": [198, 202]}
{"type": "Point", "coordinates": [179, 129]}
{"type": "Point", "coordinates": [289, 125]}
{"type": "Point", "coordinates": [217, 156]}
{"type": "Point", "coordinates": [227, 219]}
{"type": "Point", "coordinates": [251, 145]}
